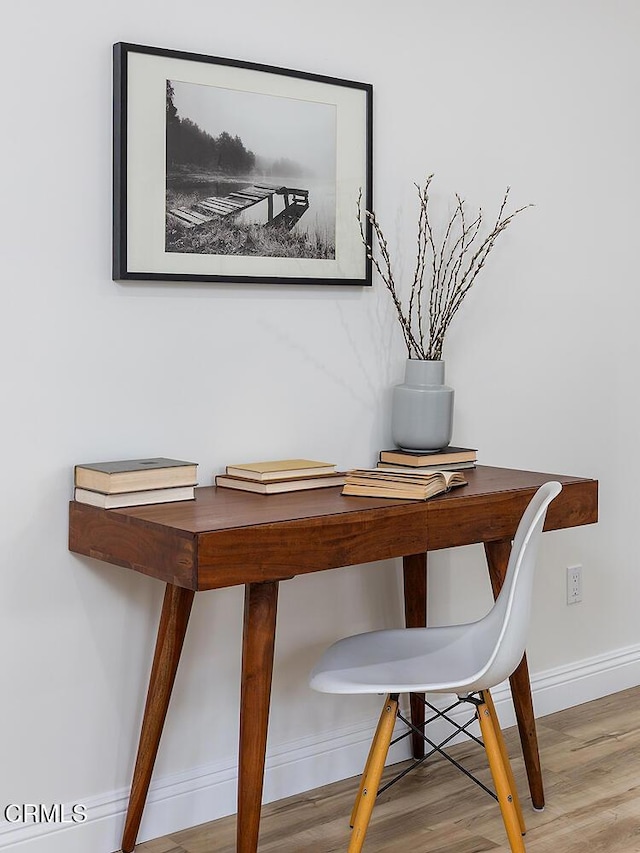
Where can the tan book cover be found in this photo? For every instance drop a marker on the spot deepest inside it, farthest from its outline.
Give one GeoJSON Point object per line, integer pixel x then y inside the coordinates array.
{"type": "Point", "coordinates": [280, 469]}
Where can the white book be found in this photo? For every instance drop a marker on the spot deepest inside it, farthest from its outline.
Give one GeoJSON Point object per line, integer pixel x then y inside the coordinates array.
{"type": "Point", "coordinates": [149, 496]}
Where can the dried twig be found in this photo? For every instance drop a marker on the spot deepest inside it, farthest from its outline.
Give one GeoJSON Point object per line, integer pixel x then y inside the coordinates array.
{"type": "Point", "coordinates": [454, 266]}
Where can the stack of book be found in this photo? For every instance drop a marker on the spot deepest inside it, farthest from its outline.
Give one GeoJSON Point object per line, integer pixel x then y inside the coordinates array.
{"type": "Point", "coordinates": [400, 483]}
{"type": "Point", "coordinates": [448, 459]}
{"type": "Point", "coordinates": [135, 482]}
{"type": "Point", "coordinates": [283, 475]}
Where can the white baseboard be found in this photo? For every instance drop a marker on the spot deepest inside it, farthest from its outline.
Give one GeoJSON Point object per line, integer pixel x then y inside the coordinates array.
{"type": "Point", "coordinates": [206, 793]}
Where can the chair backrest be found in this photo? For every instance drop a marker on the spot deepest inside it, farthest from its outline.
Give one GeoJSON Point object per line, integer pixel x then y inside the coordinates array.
{"type": "Point", "coordinates": [500, 637]}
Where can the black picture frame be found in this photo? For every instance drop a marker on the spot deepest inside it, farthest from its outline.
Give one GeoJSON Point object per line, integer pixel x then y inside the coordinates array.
{"type": "Point", "coordinates": [166, 225]}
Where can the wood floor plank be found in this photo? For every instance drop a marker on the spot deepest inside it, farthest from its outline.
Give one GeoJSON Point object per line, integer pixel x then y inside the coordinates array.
{"type": "Point", "coordinates": [591, 764]}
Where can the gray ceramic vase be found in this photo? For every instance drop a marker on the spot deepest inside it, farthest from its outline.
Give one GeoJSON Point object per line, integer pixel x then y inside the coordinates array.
{"type": "Point", "coordinates": [422, 407]}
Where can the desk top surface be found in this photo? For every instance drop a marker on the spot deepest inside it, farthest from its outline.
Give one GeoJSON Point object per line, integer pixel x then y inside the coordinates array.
{"type": "Point", "coordinates": [217, 509]}
{"type": "Point", "coordinates": [226, 537]}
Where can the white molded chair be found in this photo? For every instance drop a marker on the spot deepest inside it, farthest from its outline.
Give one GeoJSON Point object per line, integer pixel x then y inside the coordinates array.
{"type": "Point", "coordinates": [466, 660]}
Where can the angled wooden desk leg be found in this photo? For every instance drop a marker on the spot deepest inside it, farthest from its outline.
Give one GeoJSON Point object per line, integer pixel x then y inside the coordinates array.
{"type": "Point", "coordinates": [260, 605]}
{"type": "Point", "coordinates": [415, 616]}
{"type": "Point", "coordinates": [497, 560]}
{"type": "Point", "coordinates": [171, 632]}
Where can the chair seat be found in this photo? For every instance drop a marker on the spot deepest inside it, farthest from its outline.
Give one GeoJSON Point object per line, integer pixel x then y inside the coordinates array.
{"type": "Point", "coordinates": [450, 659]}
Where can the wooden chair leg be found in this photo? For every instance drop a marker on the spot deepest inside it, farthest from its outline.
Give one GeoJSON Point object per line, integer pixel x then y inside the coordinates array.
{"type": "Point", "coordinates": [383, 716]}
{"type": "Point", "coordinates": [368, 790]}
{"type": "Point", "coordinates": [488, 698]}
{"type": "Point", "coordinates": [501, 780]}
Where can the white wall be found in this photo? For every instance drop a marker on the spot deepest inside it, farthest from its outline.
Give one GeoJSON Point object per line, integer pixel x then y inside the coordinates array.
{"type": "Point", "coordinates": [541, 96]}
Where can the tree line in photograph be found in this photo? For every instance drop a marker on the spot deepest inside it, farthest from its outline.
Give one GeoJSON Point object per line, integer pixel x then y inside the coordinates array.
{"type": "Point", "coordinates": [189, 145]}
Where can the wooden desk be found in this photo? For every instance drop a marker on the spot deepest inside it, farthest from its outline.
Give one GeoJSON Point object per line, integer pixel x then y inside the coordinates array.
{"type": "Point", "coordinates": [226, 537]}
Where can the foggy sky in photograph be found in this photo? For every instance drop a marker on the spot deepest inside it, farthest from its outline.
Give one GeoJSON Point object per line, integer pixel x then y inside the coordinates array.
{"type": "Point", "coordinates": [270, 126]}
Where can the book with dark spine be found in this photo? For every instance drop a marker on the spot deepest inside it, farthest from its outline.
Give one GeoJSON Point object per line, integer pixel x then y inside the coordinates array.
{"type": "Point", "coordinates": [293, 485]}
{"type": "Point", "coordinates": [416, 458]}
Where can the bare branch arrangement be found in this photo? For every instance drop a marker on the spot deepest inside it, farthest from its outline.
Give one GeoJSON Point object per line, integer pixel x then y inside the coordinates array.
{"type": "Point", "coordinates": [444, 273]}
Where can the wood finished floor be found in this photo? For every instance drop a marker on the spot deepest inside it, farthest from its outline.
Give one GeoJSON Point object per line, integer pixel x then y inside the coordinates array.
{"type": "Point", "coordinates": [591, 763]}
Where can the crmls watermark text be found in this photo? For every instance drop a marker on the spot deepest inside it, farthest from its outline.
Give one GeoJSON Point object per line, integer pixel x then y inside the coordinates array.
{"type": "Point", "coordinates": [41, 813]}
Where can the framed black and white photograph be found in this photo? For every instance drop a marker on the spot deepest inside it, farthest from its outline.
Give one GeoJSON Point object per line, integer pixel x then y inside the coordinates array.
{"type": "Point", "coordinates": [230, 171]}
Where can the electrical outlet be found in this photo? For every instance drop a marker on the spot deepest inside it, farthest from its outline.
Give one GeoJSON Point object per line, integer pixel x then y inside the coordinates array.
{"type": "Point", "coordinates": [574, 584]}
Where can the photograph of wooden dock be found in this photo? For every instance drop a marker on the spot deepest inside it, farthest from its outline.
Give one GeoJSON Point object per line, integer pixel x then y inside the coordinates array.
{"type": "Point", "coordinates": [249, 174]}
{"type": "Point", "coordinates": [296, 202]}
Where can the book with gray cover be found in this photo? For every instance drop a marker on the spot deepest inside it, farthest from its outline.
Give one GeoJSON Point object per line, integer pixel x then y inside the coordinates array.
{"type": "Point", "coordinates": [132, 475]}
